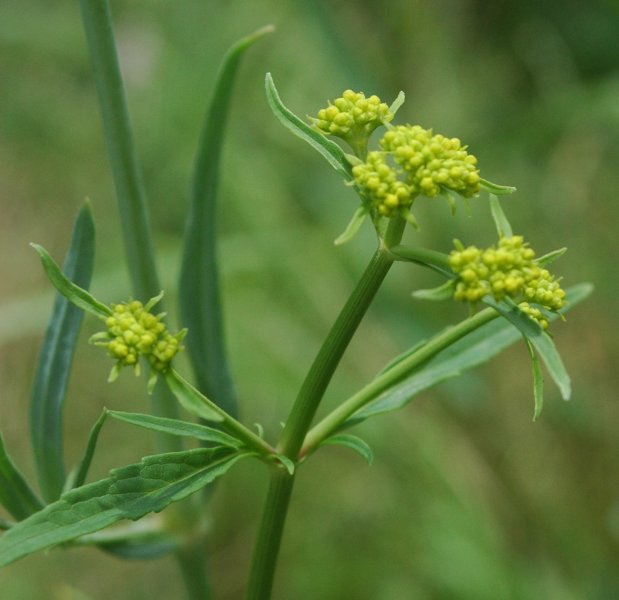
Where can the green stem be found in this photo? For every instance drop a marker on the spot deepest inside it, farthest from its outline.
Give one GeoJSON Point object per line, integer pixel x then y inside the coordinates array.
{"type": "Point", "coordinates": [333, 421]}
{"type": "Point", "coordinates": [438, 261]}
{"type": "Point", "coordinates": [121, 153]}
{"type": "Point", "coordinates": [304, 409]}
{"type": "Point", "coordinates": [191, 563]}
{"type": "Point", "coordinates": [329, 355]}
{"type": "Point", "coordinates": [269, 536]}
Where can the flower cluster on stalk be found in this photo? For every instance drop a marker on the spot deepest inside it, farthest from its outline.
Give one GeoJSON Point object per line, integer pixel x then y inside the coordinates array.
{"type": "Point", "coordinates": [134, 332]}
{"type": "Point", "coordinates": [509, 270]}
{"type": "Point", "coordinates": [412, 161]}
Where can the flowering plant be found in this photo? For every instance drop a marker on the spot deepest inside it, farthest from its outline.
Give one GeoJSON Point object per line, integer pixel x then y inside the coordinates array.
{"type": "Point", "coordinates": [410, 164]}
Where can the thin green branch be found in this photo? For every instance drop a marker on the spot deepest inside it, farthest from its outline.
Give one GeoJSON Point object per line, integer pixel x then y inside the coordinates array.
{"type": "Point", "coordinates": [333, 421]}
{"type": "Point", "coordinates": [332, 350]}
{"type": "Point", "coordinates": [304, 409]}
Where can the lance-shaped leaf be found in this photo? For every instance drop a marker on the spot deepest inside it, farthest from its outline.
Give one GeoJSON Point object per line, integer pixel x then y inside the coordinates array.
{"type": "Point", "coordinates": [544, 261]}
{"type": "Point", "coordinates": [191, 399]}
{"type": "Point", "coordinates": [353, 226]}
{"type": "Point", "coordinates": [54, 366]}
{"type": "Point", "coordinates": [15, 494]}
{"type": "Point", "coordinates": [72, 292]}
{"type": "Point", "coordinates": [475, 349]}
{"type": "Point", "coordinates": [330, 150]}
{"type": "Point", "coordinates": [77, 477]}
{"type": "Point", "coordinates": [352, 442]}
{"type": "Point", "coordinates": [199, 295]}
{"type": "Point", "coordinates": [495, 188]}
{"type": "Point", "coordinates": [503, 228]}
{"type": "Point", "coordinates": [540, 340]}
{"type": "Point", "coordinates": [177, 427]}
{"type": "Point", "coordinates": [538, 381]}
{"type": "Point", "coordinates": [128, 493]}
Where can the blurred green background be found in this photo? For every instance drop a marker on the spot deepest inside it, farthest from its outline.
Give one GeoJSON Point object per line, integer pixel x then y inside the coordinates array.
{"type": "Point", "coordinates": [467, 497]}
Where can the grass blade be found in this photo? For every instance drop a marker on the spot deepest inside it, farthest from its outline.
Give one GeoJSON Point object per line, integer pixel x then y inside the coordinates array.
{"type": "Point", "coordinates": [56, 357]}
{"type": "Point", "coordinates": [134, 217]}
{"type": "Point", "coordinates": [199, 281]}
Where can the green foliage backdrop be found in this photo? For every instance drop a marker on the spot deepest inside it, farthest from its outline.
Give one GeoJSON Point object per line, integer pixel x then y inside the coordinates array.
{"type": "Point", "coordinates": [467, 498]}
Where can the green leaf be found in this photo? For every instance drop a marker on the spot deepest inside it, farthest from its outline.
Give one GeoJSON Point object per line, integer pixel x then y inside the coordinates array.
{"type": "Point", "coordinates": [128, 493]}
{"type": "Point", "coordinates": [545, 260]}
{"type": "Point", "coordinates": [177, 427]}
{"type": "Point", "coordinates": [56, 357]}
{"type": "Point", "coordinates": [353, 226]}
{"type": "Point", "coordinates": [286, 462]}
{"type": "Point", "coordinates": [503, 228]}
{"type": "Point", "coordinates": [135, 541]}
{"type": "Point", "coordinates": [397, 103]}
{"type": "Point", "coordinates": [495, 188]}
{"type": "Point", "coordinates": [191, 399]}
{"type": "Point", "coordinates": [199, 295]}
{"type": "Point", "coordinates": [475, 349]}
{"type": "Point", "coordinates": [72, 292]}
{"type": "Point", "coordinates": [538, 381]}
{"type": "Point", "coordinates": [442, 292]}
{"type": "Point", "coordinates": [330, 150]}
{"type": "Point", "coordinates": [353, 443]}
{"type": "Point", "coordinates": [541, 341]}
{"type": "Point", "coordinates": [15, 494]}
{"type": "Point", "coordinates": [79, 477]}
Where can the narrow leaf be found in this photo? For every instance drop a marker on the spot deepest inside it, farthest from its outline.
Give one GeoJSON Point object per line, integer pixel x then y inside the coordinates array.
{"type": "Point", "coordinates": [56, 356]}
{"type": "Point", "coordinates": [286, 462]}
{"type": "Point", "coordinates": [442, 292]}
{"type": "Point", "coordinates": [177, 427]}
{"type": "Point", "coordinates": [199, 294]}
{"type": "Point", "coordinates": [541, 341]}
{"type": "Point", "coordinates": [330, 150]}
{"type": "Point", "coordinates": [503, 228]}
{"type": "Point", "coordinates": [191, 399]}
{"type": "Point", "coordinates": [545, 260]}
{"type": "Point", "coordinates": [144, 540]}
{"type": "Point", "coordinates": [397, 103]}
{"type": "Point", "coordinates": [353, 226]}
{"type": "Point", "coordinates": [72, 292]}
{"type": "Point", "coordinates": [495, 188]}
{"type": "Point", "coordinates": [475, 349]}
{"type": "Point", "coordinates": [81, 472]}
{"type": "Point", "coordinates": [538, 381]}
{"type": "Point", "coordinates": [15, 494]}
{"type": "Point", "coordinates": [352, 442]}
{"type": "Point", "coordinates": [129, 493]}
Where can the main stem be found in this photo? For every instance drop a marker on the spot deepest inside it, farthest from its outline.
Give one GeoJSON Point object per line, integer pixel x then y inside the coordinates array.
{"type": "Point", "coordinates": [303, 411]}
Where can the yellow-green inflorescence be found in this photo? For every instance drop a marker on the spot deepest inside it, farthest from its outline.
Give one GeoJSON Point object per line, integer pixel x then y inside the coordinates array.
{"type": "Point", "coordinates": [412, 161]}
{"type": "Point", "coordinates": [507, 269]}
{"type": "Point", "coordinates": [352, 117]}
{"type": "Point", "coordinates": [134, 332]}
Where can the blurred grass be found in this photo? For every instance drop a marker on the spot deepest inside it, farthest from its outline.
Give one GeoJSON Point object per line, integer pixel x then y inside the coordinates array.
{"type": "Point", "coordinates": [467, 498]}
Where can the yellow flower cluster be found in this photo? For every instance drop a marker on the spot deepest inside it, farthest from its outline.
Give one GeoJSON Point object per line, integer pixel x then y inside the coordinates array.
{"type": "Point", "coordinates": [432, 163]}
{"type": "Point", "coordinates": [132, 331]}
{"type": "Point", "coordinates": [508, 269]}
{"type": "Point", "coordinates": [378, 182]}
{"type": "Point", "coordinates": [352, 116]}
